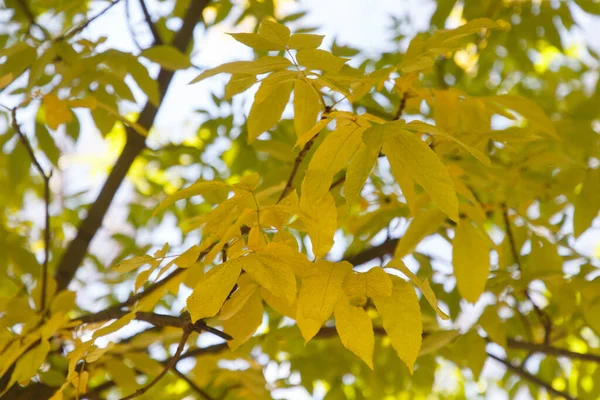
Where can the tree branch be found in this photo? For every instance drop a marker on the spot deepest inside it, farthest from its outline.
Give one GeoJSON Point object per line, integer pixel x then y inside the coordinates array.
{"type": "Point", "coordinates": [370, 253]}
{"type": "Point", "coordinates": [520, 371]}
{"type": "Point", "coordinates": [555, 351]}
{"type": "Point", "coordinates": [191, 383]}
{"type": "Point", "coordinates": [31, 18]}
{"type": "Point", "coordinates": [158, 320]}
{"type": "Point", "coordinates": [130, 26]}
{"type": "Point", "coordinates": [401, 107]}
{"type": "Point", "coordinates": [47, 227]}
{"type": "Point", "coordinates": [170, 364]}
{"type": "Point", "coordinates": [297, 162]}
{"type": "Point", "coordinates": [69, 34]}
{"type": "Point", "coordinates": [153, 29]}
{"type": "Point", "coordinates": [77, 249]}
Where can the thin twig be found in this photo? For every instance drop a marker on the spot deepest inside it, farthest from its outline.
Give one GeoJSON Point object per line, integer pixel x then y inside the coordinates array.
{"type": "Point", "coordinates": [544, 318]}
{"type": "Point", "coordinates": [186, 333]}
{"type": "Point", "coordinates": [76, 30]}
{"type": "Point", "coordinates": [130, 26]}
{"type": "Point", "coordinates": [555, 351]}
{"type": "Point", "coordinates": [297, 162]}
{"type": "Point", "coordinates": [530, 377]}
{"type": "Point", "coordinates": [401, 107]}
{"type": "Point", "coordinates": [31, 18]}
{"type": "Point", "coordinates": [153, 29]}
{"type": "Point", "coordinates": [191, 384]}
{"type": "Point", "coordinates": [46, 177]}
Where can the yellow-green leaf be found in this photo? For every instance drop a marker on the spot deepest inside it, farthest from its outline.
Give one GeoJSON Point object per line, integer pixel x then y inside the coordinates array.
{"type": "Point", "coordinates": [56, 111]}
{"type": "Point", "coordinates": [425, 223]}
{"type": "Point", "coordinates": [246, 288]}
{"type": "Point", "coordinates": [212, 290]}
{"type": "Point", "coordinates": [355, 329]}
{"type": "Point", "coordinates": [401, 317]}
{"type": "Point", "coordinates": [307, 106]}
{"type": "Point", "coordinates": [274, 32]}
{"type": "Point", "coordinates": [259, 66]}
{"type": "Point", "coordinates": [238, 84]}
{"type": "Point", "coordinates": [300, 41]}
{"type": "Point", "coordinates": [587, 202]}
{"type": "Point", "coordinates": [114, 326]}
{"type": "Point", "coordinates": [319, 293]}
{"type": "Point", "coordinates": [332, 155]}
{"type": "Point", "coordinates": [266, 113]}
{"type": "Point", "coordinates": [256, 41]}
{"type": "Point", "coordinates": [358, 172]}
{"type": "Point", "coordinates": [320, 221]}
{"type": "Point", "coordinates": [423, 286]}
{"type": "Point", "coordinates": [132, 263]}
{"type": "Point", "coordinates": [312, 132]}
{"type": "Point", "coordinates": [213, 191]}
{"type": "Point", "coordinates": [491, 323]}
{"type": "Point", "coordinates": [167, 57]}
{"type": "Point", "coordinates": [471, 260]}
{"type": "Point", "coordinates": [320, 59]}
{"type": "Point", "coordinates": [420, 162]}
{"type": "Point", "coordinates": [243, 324]}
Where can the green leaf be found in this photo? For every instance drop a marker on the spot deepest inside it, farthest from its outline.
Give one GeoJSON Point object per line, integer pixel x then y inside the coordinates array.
{"type": "Point", "coordinates": [168, 57]}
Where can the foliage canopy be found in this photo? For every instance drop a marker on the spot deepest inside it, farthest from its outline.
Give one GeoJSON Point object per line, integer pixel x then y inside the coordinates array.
{"type": "Point", "coordinates": [356, 224]}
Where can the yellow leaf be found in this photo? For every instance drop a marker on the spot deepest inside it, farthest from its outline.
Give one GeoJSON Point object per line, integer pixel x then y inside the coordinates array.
{"type": "Point", "coordinates": [243, 324]}
{"type": "Point", "coordinates": [188, 258]}
{"type": "Point", "coordinates": [319, 294]}
{"type": "Point", "coordinates": [28, 365]}
{"type": "Point", "coordinates": [423, 286]}
{"type": "Point", "coordinates": [404, 179]}
{"type": "Point", "coordinates": [420, 127]}
{"type": "Point", "coordinates": [543, 258]}
{"type": "Point", "coordinates": [298, 262]}
{"type": "Point", "coordinates": [86, 102]}
{"type": "Point", "coordinates": [312, 132]}
{"type": "Point", "coordinates": [135, 262]}
{"type": "Point", "coordinates": [587, 202]}
{"type": "Point", "coordinates": [213, 191]}
{"type": "Point", "coordinates": [238, 83]}
{"type": "Point", "coordinates": [212, 290]}
{"type": "Point", "coordinates": [266, 113]}
{"type": "Point", "coordinates": [491, 323]}
{"type": "Point", "coordinates": [63, 302]}
{"type": "Point", "coordinates": [307, 106]}
{"type": "Point", "coordinates": [246, 288]}
{"type": "Point", "coordinates": [56, 111]}
{"type": "Point", "coordinates": [320, 221]}
{"type": "Point", "coordinates": [425, 223]}
{"type": "Point", "coordinates": [471, 260]}
{"type": "Point", "coordinates": [305, 41]}
{"type": "Point", "coordinates": [271, 272]}
{"type": "Point", "coordinates": [401, 317]}
{"type": "Point", "coordinates": [320, 59]}
{"type": "Point", "coordinates": [355, 329]}
{"type": "Point", "coordinates": [256, 41]}
{"type": "Point", "coordinates": [114, 326]}
{"type": "Point", "coordinates": [332, 155]}
{"type": "Point", "coordinates": [358, 172]}
{"type": "Point", "coordinates": [274, 32]}
{"type": "Point", "coordinates": [420, 162]}
{"type": "Point", "coordinates": [278, 304]}
{"type": "Point", "coordinates": [259, 66]}
{"type": "Point", "coordinates": [531, 111]}
{"type": "Point", "coordinates": [6, 79]}
{"type": "Point", "coordinates": [374, 282]}
{"type": "Point", "coordinates": [167, 57]}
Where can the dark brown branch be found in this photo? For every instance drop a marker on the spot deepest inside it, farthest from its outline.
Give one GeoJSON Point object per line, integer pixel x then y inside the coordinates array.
{"type": "Point", "coordinates": [520, 371]}
{"type": "Point", "coordinates": [77, 249]}
{"type": "Point", "coordinates": [153, 29]}
{"type": "Point", "coordinates": [555, 351]}
{"type": "Point", "coordinates": [297, 162]}
{"type": "Point", "coordinates": [46, 177]}
{"type": "Point", "coordinates": [170, 364]}
{"type": "Point", "coordinates": [158, 320]}
{"type": "Point", "coordinates": [373, 252]}
{"type": "Point", "coordinates": [401, 107]}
